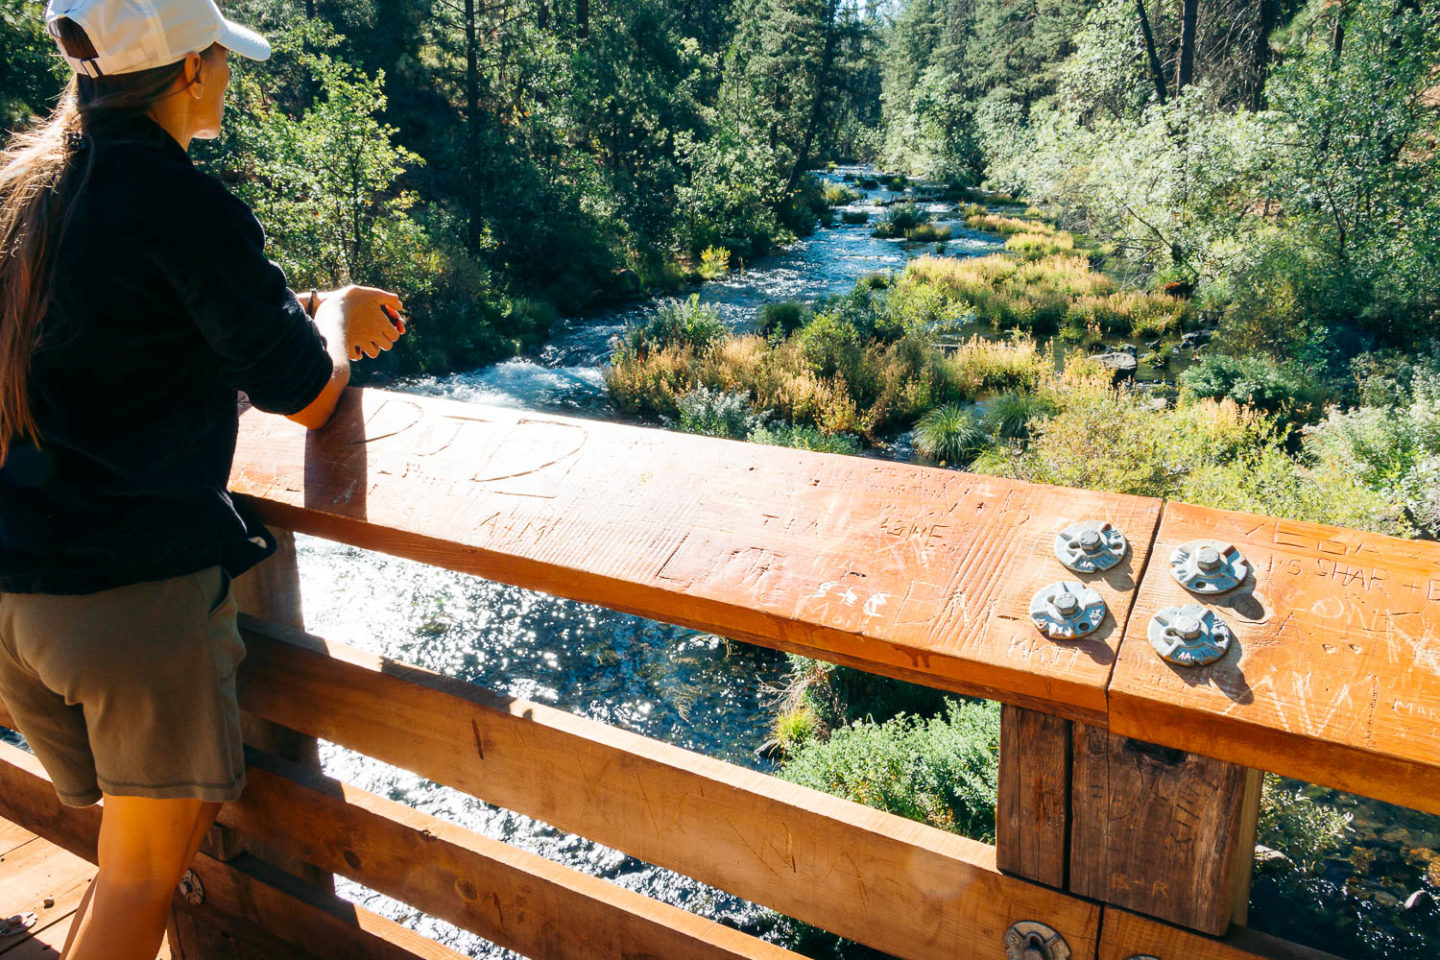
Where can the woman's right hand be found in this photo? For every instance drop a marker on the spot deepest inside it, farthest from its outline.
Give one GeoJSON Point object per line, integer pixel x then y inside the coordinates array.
{"type": "Point", "coordinates": [367, 327]}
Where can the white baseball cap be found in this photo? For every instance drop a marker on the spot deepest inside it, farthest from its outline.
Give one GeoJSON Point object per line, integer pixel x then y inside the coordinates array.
{"type": "Point", "coordinates": [132, 35]}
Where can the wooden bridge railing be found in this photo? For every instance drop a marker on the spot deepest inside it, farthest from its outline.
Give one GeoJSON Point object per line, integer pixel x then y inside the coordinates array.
{"type": "Point", "coordinates": [1128, 786]}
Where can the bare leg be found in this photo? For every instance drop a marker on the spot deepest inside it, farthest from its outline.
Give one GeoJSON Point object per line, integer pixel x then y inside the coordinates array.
{"type": "Point", "coordinates": [145, 846]}
{"type": "Point", "coordinates": [79, 917]}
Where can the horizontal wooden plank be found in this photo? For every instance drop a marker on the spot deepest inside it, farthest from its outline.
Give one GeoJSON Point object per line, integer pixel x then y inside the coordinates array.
{"type": "Point", "coordinates": [899, 886]}
{"type": "Point", "coordinates": [35, 874]}
{"type": "Point", "coordinates": [510, 897]}
{"type": "Point", "coordinates": [912, 572]}
{"type": "Point", "coordinates": [320, 923]}
{"type": "Point", "coordinates": [1335, 677]}
{"type": "Point", "coordinates": [1128, 936]}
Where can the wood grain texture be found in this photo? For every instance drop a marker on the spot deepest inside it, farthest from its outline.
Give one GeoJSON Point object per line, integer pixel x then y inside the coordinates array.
{"type": "Point", "coordinates": [1127, 935]}
{"type": "Point", "coordinates": [1157, 830]}
{"type": "Point", "coordinates": [235, 896]}
{"type": "Point", "coordinates": [907, 571]}
{"type": "Point", "coordinates": [900, 886]}
{"type": "Point", "coordinates": [1032, 814]}
{"type": "Point", "coordinates": [516, 899]}
{"type": "Point", "coordinates": [1335, 677]}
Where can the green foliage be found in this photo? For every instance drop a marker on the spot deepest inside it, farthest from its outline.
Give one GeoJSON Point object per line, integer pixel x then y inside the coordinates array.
{"type": "Point", "coordinates": [714, 262]}
{"type": "Point", "coordinates": [949, 435]}
{"type": "Point", "coordinates": [676, 323]}
{"type": "Point", "coordinates": [900, 220]}
{"type": "Point", "coordinates": [31, 70]}
{"type": "Point", "coordinates": [853, 217]}
{"type": "Point", "coordinates": [838, 195]}
{"type": "Point", "coordinates": [779, 320]}
{"type": "Point", "coordinates": [1009, 416]}
{"type": "Point", "coordinates": [941, 771]}
{"type": "Point", "coordinates": [1294, 824]}
{"type": "Point", "coordinates": [1255, 380]}
{"type": "Point", "coordinates": [805, 437]}
{"type": "Point", "coordinates": [718, 413]}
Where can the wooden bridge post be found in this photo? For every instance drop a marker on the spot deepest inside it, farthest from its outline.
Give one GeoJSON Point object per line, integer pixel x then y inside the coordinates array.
{"type": "Point", "coordinates": [271, 591]}
{"type": "Point", "coordinates": [1151, 829]}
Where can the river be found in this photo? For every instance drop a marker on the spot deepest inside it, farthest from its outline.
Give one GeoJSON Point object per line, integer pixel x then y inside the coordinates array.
{"type": "Point", "coordinates": [693, 690]}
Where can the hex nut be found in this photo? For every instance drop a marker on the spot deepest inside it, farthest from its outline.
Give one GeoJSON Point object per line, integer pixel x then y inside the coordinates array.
{"type": "Point", "coordinates": [1067, 610]}
{"type": "Point", "coordinates": [1033, 940]}
{"type": "Point", "coordinates": [1208, 567]}
{"type": "Point", "coordinates": [1090, 546]}
{"type": "Point", "coordinates": [1189, 635]}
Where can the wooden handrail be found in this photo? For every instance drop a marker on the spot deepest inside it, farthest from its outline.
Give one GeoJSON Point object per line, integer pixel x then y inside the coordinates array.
{"type": "Point", "coordinates": [911, 572]}
{"type": "Point", "coordinates": [900, 570]}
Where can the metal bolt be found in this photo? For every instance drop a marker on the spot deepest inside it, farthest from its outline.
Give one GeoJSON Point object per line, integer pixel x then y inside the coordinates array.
{"type": "Point", "coordinates": [1067, 610]}
{"type": "Point", "coordinates": [1090, 546]}
{"type": "Point", "coordinates": [192, 889]}
{"type": "Point", "coordinates": [1032, 940]}
{"type": "Point", "coordinates": [1189, 635]}
{"type": "Point", "coordinates": [1208, 567]}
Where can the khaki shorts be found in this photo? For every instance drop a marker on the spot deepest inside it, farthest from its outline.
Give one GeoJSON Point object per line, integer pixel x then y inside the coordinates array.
{"type": "Point", "coordinates": [130, 691]}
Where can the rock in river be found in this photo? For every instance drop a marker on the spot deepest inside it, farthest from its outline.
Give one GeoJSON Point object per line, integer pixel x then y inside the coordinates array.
{"type": "Point", "coordinates": [1120, 364]}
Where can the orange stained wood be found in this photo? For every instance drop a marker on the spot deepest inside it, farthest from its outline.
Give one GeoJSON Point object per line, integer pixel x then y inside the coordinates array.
{"type": "Point", "coordinates": [1129, 936]}
{"type": "Point", "coordinates": [1336, 674]}
{"type": "Point", "coordinates": [912, 572]}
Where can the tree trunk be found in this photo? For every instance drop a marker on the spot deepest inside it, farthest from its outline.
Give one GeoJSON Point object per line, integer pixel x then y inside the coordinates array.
{"type": "Point", "coordinates": [472, 117]}
{"type": "Point", "coordinates": [1260, 61]}
{"type": "Point", "coordinates": [1157, 72]}
{"type": "Point", "coordinates": [582, 17]}
{"type": "Point", "coordinates": [1185, 72]}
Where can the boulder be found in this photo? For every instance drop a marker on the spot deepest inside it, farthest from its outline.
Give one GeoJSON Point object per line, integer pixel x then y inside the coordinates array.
{"type": "Point", "coordinates": [1121, 365]}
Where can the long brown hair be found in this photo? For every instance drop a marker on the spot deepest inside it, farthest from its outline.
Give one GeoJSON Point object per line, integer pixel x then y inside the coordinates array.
{"type": "Point", "coordinates": [40, 178]}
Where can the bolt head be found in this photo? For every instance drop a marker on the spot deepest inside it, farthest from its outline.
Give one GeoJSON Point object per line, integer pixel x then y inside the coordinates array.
{"type": "Point", "coordinates": [1189, 627]}
{"type": "Point", "coordinates": [1091, 541]}
{"type": "Point", "coordinates": [1066, 603]}
{"type": "Point", "coordinates": [1207, 558]}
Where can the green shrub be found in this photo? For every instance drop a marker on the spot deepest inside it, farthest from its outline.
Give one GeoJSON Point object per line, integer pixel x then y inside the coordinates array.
{"type": "Point", "coordinates": [869, 183]}
{"type": "Point", "coordinates": [779, 320]}
{"type": "Point", "coordinates": [1009, 416]}
{"type": "Point", "coordinates": [830, 344]}
{"type": "Point", "coordinates": [805, 437]}
{"type": "Point", "coordinates": [1293, 823]}
{"type": "Point", "coordinates": [900, 220]}
{"type": "Point", "coordinates": [714, 262]}
{"type": "Point", "coordinates": [718, 413]}
{"type": "Point", "coordinates": [682, 323]}
{"type": "Point", "coordinates": [854, 217]}
{"type": "Point", "coordinates": [1256, 380]}
{"type": "Point", "coordinates": [838, 195]}
{"type": "Point", "coordinates": [949, 435]}
{"type": "Point", "coordinates": [928, 233]}
{"type": "Point", "coordinates": [940, 771]}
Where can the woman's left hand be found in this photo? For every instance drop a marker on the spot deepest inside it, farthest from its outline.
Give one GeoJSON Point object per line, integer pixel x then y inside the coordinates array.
{"type": "Point", "coordinates": [368, 322]}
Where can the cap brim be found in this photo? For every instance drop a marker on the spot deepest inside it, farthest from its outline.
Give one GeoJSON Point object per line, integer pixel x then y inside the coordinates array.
{"type": "Point", "coordinates": [243, 40]}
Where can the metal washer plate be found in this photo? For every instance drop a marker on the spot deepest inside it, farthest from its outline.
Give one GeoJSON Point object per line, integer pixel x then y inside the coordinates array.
{"type": "Point", "coordinates": [1112, 547]}
{"type": "Point", "coordinates": [1231, 571]}
{"type": "Point", "coordinates": [1210, 642]}
{"type": "Point", "coordinates": [1089, 611]}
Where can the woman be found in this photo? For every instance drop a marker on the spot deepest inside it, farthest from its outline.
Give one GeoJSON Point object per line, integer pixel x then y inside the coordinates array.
{"type": "Point", "coordinates": [135, 301]}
